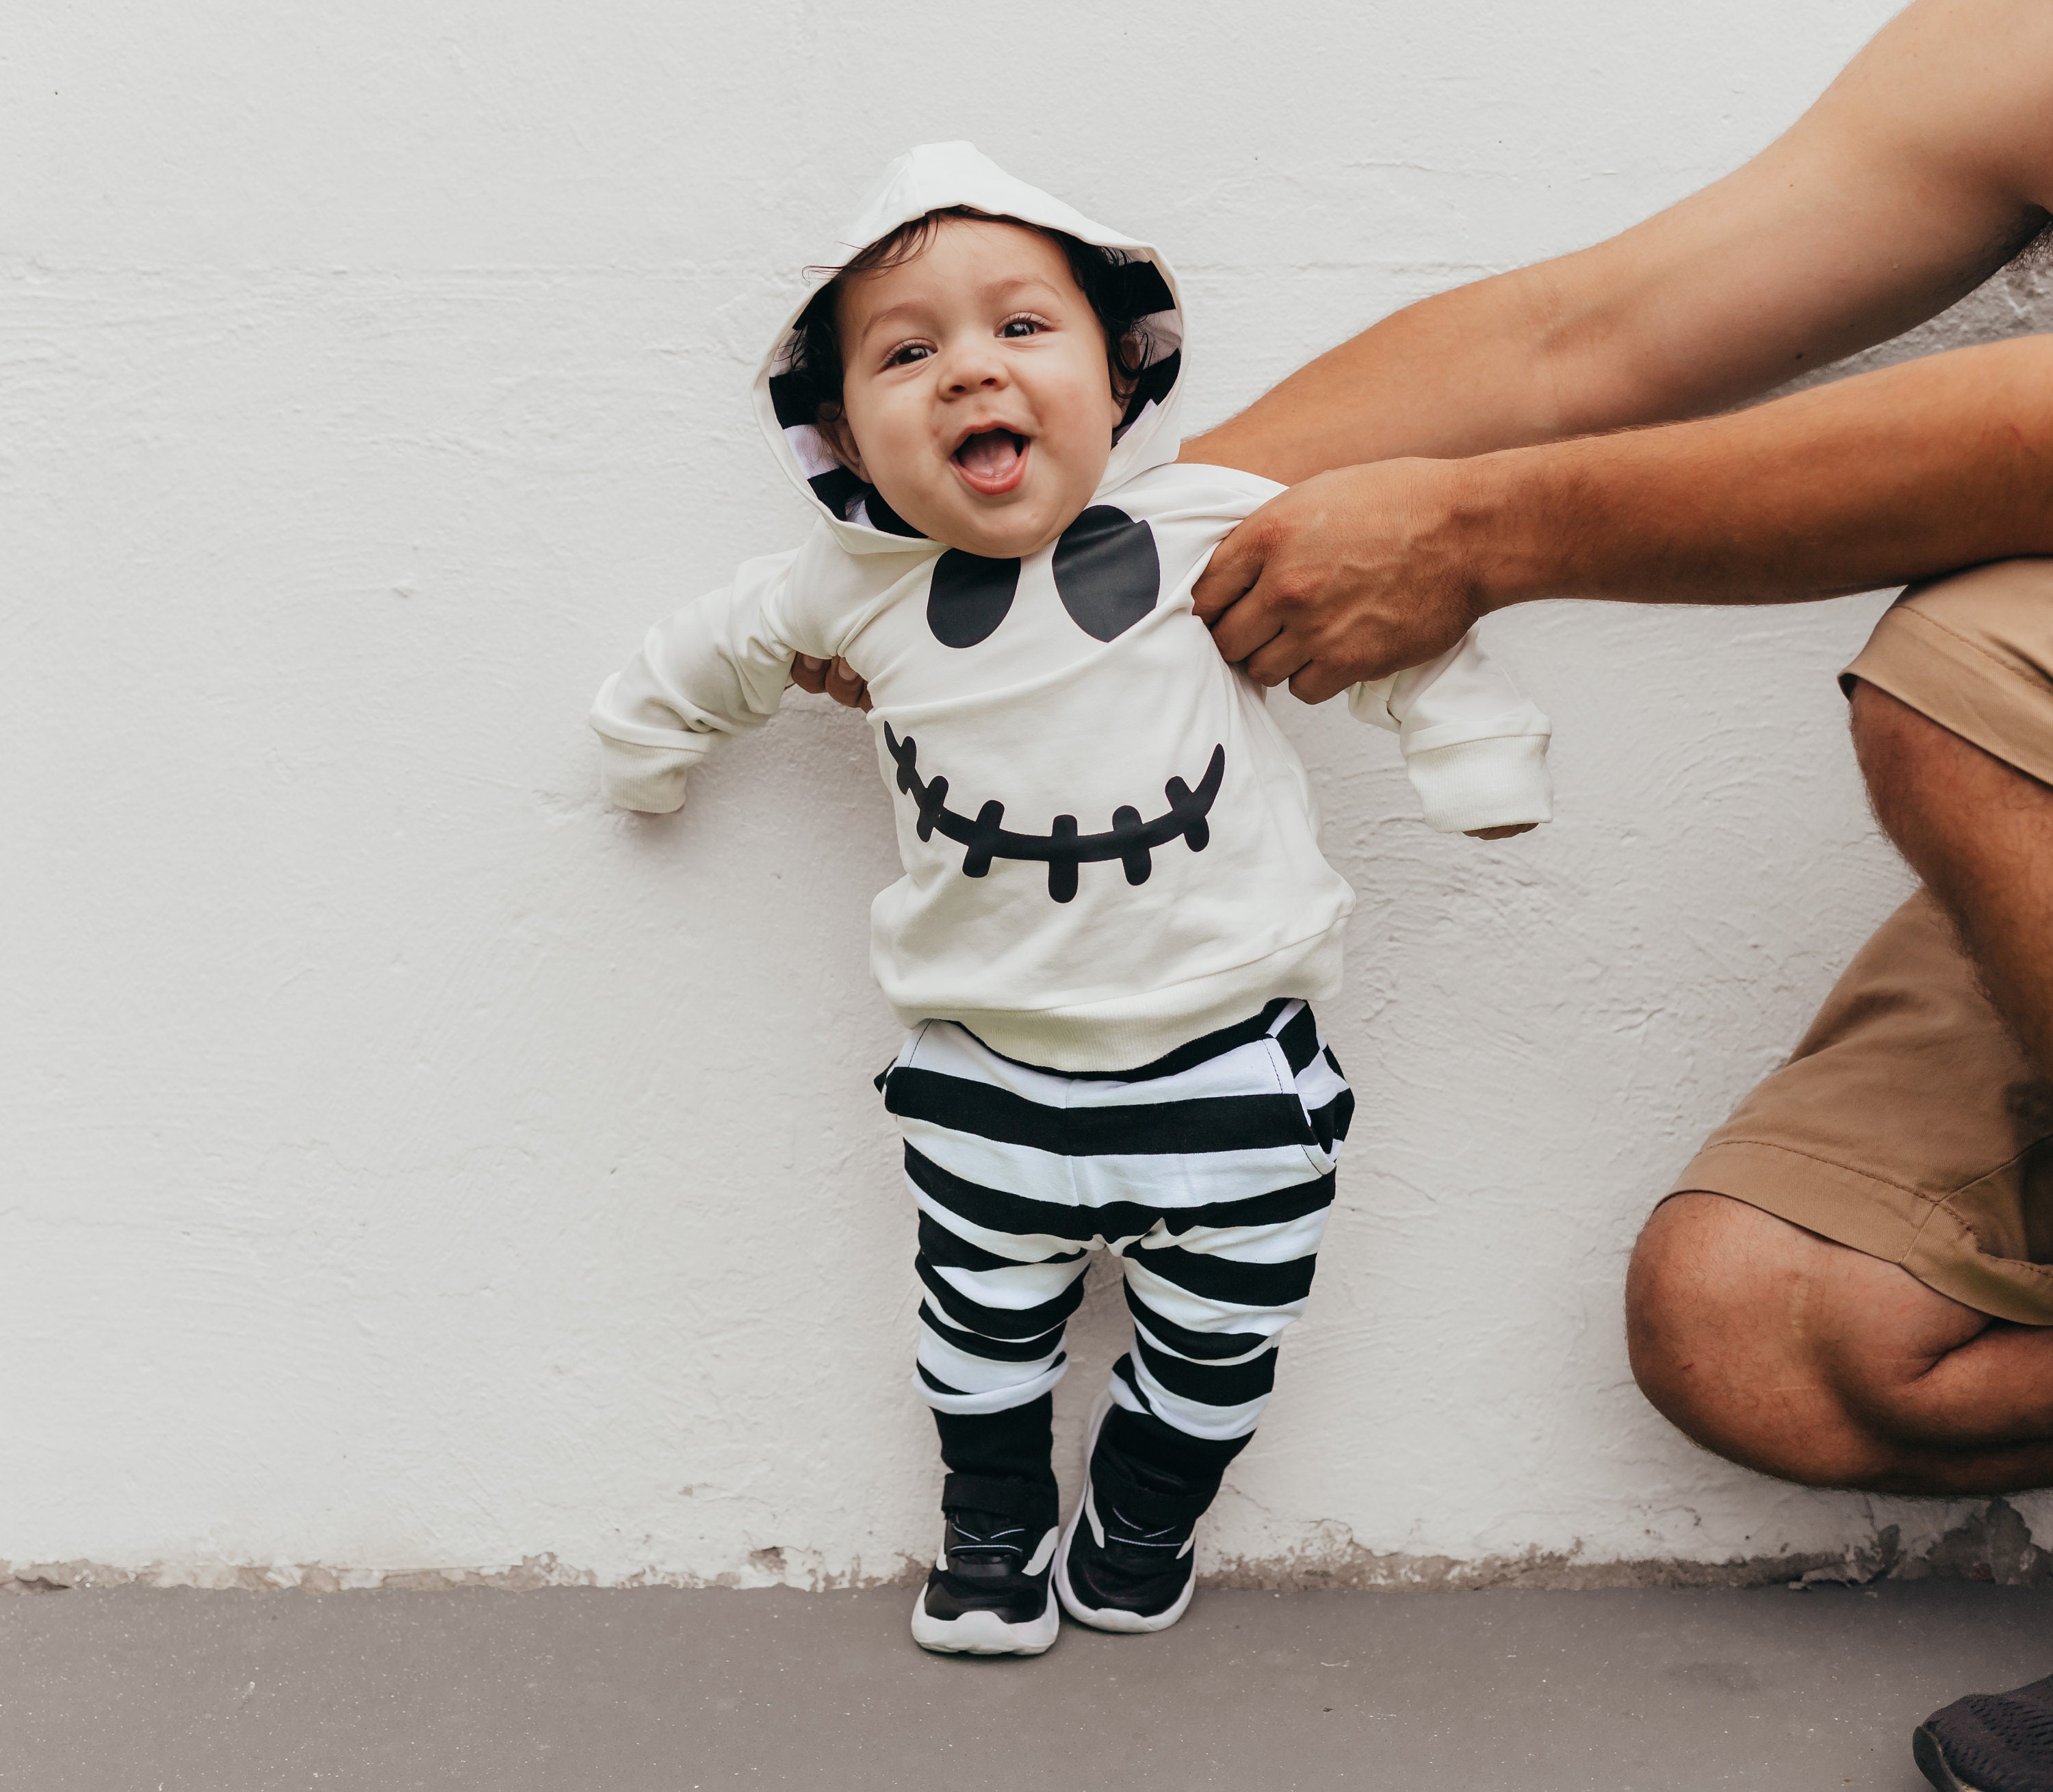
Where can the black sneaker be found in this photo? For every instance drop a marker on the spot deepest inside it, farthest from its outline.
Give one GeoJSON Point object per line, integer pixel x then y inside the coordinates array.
{"type": "Point", "coordinates": [1130, 1564]}
{"type": "Point", "coordinates": [1990, 1741]}
{"type": "Point", "coordinates": [988, 1593]}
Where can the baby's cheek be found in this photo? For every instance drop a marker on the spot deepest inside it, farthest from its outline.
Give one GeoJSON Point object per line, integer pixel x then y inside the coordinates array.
{"type": "Point", "coordinates": [889, 457]}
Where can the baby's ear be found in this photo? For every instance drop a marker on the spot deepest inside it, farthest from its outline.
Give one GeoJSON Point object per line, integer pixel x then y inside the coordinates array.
{"type": "Point", "coordinates": [841, 441]}
{"type": "Point", "coordinates": [1129, 366]}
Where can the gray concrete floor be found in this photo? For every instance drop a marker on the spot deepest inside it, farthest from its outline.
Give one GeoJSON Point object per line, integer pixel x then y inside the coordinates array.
{"type": "Point", "coordinates": [1640, 1690]}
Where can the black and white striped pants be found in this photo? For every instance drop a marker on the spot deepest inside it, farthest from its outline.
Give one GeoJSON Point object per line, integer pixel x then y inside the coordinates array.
{"type": "Point", "coordinates": [1208, 1173]}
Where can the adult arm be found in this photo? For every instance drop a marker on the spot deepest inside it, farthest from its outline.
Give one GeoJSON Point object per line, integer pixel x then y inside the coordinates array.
{"type": "Point", "coordinates": [1897, 475]}
{"type": "Point", "coordinates": [1925, 166]}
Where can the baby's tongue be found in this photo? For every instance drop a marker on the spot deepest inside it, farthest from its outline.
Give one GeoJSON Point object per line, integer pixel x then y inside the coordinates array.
{"type": "Point", "coordinates": [989, 456]}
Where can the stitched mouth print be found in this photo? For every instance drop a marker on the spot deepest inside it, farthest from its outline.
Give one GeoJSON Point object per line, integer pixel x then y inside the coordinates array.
{"type": "Point", "coordinates": [1131, 841]}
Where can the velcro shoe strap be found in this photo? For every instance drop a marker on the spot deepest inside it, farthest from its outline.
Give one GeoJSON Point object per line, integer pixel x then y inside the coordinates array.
{"type": "Point", "coordinates": [1030, 1502]}
{"type": "Point", "coordinates": [1143, 1506]}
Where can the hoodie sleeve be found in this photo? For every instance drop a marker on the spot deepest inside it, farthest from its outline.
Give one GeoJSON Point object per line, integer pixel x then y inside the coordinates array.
{"type": "Point", "coordinates": [717, 667]}
{"type": "Point", "coordinates": [1474, 743]}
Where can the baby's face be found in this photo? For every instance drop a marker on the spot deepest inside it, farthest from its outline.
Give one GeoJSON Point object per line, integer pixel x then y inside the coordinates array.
{"type": "Point", "coordinates": [975, 393]}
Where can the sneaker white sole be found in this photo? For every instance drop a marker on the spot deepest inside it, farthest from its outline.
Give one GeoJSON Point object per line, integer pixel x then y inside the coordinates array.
{"type": "Point", "coordinates": [1122, 1623]}
{"type": "Point", "coordinates": [984, 1632]}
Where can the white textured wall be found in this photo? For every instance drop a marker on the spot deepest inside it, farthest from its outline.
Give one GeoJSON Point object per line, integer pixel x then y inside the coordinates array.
{"type": "Point", "coordinates": [408, 1164]}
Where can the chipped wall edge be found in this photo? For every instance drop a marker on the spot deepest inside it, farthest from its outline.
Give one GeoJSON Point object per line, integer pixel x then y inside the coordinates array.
{"type": "Point", "coordinates": [1995, 1545]}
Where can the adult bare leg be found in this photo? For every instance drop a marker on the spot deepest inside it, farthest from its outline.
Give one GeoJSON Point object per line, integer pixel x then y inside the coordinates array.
{"type": "Point", "coordinates": [1805, 1359]}
{"type": "Point", "coordinates": [1802, 1358]}
{"type": "Point", "coordinates": [1979, 832]}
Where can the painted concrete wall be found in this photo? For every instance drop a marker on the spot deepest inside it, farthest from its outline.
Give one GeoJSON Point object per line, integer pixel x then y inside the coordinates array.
{"type": "Point", "coordinates": [411, 1167]}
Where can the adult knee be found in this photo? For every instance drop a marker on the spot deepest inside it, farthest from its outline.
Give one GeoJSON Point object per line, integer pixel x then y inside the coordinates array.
{"type": "Point", "coordinates": [1683, 1331]}
{"type": "Point", "coordinates": [1720, 1301]}
{"type": "Point", "coordinates": [1663, 1325]}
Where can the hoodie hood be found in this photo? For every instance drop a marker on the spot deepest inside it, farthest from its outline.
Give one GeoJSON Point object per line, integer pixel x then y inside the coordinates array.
{"type": "Point", "coordinates": [930, 178]}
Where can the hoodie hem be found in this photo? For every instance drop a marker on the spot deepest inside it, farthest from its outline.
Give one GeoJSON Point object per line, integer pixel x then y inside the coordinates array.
{"type": "Point", "coordinates": [1128, 1031]}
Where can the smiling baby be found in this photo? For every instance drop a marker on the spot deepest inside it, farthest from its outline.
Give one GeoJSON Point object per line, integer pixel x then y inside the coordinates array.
{"type": "Point", "coordinates": [1114, 914]}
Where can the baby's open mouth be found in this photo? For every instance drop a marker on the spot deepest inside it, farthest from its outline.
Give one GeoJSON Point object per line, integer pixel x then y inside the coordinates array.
{"type": "Point", "coordinates": [993, 461]}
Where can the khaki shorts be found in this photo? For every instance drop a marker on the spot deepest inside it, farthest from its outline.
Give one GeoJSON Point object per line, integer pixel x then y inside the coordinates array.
{"type": "Point", "coordinates": [1908, 1124]}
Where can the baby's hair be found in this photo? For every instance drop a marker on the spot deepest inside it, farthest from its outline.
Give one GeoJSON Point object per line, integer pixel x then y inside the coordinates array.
{"type": "Point", "coordinates": [813, 378]}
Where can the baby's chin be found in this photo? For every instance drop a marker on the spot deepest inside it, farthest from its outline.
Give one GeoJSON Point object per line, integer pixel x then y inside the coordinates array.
{"type": "Point", "coordinates": [997, 544]}
{"type": "Point", "coordinates": [1010, 527]}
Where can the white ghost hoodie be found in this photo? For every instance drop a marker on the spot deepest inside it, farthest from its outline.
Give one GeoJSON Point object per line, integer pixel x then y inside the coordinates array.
{"type": "Point", "coordinates": [1109, 847]}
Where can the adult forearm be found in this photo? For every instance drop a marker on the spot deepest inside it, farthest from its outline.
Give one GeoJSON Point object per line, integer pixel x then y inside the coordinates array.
{"type": "Point", "coordinates": [1875, 481]}
{"type": "Point", "coordinates": [1462, 373]}
{"type": "Point", "coordinates": [1355, 574]}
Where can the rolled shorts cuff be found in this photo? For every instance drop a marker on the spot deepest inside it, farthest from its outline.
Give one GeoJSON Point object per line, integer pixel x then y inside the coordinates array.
{"type": "Point", "coordinates": [1925, 1235]}
{"type": "Point", "coordinates": [1971, 653]}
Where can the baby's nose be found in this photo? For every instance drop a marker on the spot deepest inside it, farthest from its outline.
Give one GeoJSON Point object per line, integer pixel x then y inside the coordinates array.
{"type": "Point", "coordinates": [970, 371]}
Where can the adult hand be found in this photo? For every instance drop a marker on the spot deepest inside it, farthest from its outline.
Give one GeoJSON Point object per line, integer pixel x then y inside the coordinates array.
{"type": "Point", "coordinates": [834, 678]}
{"type": "Point", "coordinates": [1354, 574]}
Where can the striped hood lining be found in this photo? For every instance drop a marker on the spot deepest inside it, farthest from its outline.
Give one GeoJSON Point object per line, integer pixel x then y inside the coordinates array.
{"type": "Point", "coordinates": [930, 178]}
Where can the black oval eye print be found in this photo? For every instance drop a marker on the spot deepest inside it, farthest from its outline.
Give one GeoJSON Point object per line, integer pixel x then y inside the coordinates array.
{"type": "Point", "coordinates": [1107, 571]}
{"type": "Point", "coordinates": [969, 597]}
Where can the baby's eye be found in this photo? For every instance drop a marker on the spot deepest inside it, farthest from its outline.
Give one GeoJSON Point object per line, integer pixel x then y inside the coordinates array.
{"type": "Point", "coordinates": [906, 353]}
{"type": "Point", "coordinates": [1022, 326]}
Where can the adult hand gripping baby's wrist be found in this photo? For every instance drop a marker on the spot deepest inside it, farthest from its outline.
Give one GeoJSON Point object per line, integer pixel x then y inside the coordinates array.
{"type": "Point", "coordinates": [1375, 567]}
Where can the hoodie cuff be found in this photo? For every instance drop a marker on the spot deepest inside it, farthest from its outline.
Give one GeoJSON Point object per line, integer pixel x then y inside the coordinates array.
{"type": "Point", "coordinates": [650, 779]}
{"type": "Point", "coordinates": [1496, 783]}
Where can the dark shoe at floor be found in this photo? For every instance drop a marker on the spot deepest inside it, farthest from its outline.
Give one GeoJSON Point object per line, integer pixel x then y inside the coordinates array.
{"type": "Point", "coordinates": [1128, 1561]}
{"type": "Point", "coordinates": [989, 1594]}
{"type": "Point", "coordinates": [1990, 1741]}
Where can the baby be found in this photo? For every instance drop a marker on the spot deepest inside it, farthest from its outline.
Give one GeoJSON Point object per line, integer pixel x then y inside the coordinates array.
{"type": "Point", "coordinates": [1114, 915]}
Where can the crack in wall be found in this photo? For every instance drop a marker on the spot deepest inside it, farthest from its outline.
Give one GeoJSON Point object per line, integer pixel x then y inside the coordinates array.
{"type": "Point", "coordinates": [1994, 1545]}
